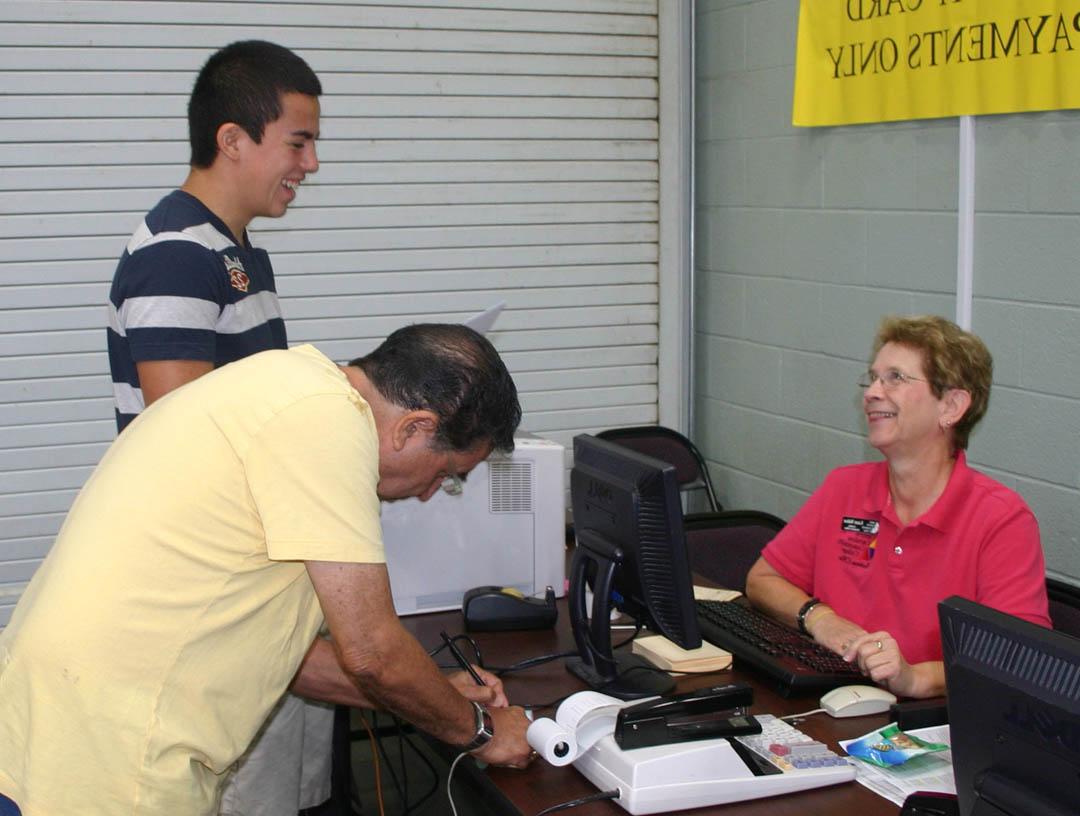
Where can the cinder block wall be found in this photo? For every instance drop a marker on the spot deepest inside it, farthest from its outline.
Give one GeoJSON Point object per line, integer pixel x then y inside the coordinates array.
{"type": "Point", "coordinates": [806, 237]}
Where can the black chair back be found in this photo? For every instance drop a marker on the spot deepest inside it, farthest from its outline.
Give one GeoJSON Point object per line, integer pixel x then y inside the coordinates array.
{"type": "Point", "coordinates": [724, 546]}
{"type": "Point", "coordinates": [672, 447]}
{"type": "Point", "coordinates": [1064, 606]}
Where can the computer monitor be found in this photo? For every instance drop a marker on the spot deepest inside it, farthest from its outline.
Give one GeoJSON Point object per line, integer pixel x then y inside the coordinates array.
{"type": "Point", "coordinates": [1014, 712]}
{"type": "Point", "coordinates": [629, 527]}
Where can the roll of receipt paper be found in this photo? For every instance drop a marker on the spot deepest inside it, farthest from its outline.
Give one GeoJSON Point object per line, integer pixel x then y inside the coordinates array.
{"type": "Point", "coordinates": [551, 741]}
{"type": "Point", "coordinates": [580, 722]}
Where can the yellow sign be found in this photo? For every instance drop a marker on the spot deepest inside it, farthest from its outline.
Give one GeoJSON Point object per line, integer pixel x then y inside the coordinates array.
{"type": "Point", "coordinates": [883, 60]}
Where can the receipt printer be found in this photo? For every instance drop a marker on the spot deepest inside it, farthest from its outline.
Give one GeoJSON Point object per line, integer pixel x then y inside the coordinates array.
{"type": "Point", "coordinates": [501, 609]}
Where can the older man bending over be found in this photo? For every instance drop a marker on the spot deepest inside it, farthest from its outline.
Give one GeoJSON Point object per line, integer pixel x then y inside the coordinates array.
{"type": "Point", "coordinates": [186, 589]}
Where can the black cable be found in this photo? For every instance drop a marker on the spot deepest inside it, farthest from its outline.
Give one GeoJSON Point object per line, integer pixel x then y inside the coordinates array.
{"type": "Point", "coordinates": [479, 661]}
{"type": "Point", "coordinates": [386, 759]}
{"type": "Point", "coordinates": [584, 800]}
{"type": "Point", "coordinates": [596, 651]}
{"type": "Point", "coordinates": [529, 663]}
{"type": "Point", "coordinates": [431, 791]}
{"type": "Point", "coordinates": [404, 767]}
{"type": "Point", "coordinates": [405, 740]}
{"type": "Point", "coordinates": [619, 676]}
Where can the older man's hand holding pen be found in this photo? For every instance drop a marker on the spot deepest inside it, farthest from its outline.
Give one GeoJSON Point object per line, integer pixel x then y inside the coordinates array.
{"type": "Point", "coordinates": [491, 693]}
{"type": "Point", "coordinates": [510, 722]}
{"type": "Point", "coordinates": [474, 682]}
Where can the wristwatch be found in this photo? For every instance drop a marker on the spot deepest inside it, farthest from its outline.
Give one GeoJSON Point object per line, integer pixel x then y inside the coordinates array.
{"type": "Point", "coordinates": [485, 728]}
{"type": "Point", "coordinates": [804, 610]}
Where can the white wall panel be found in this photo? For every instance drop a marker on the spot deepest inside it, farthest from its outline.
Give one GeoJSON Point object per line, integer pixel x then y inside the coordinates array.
{"type": "Point", "coordinates": [471, 152]}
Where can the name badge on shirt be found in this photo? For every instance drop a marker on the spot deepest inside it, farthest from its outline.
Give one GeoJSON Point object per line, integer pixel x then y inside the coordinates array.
{"type": "Point", "coordinates": [850, 524]}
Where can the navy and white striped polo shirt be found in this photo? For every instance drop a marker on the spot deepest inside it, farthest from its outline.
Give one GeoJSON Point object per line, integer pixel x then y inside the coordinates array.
{"type": "Point", "coordinates": [184, 290]}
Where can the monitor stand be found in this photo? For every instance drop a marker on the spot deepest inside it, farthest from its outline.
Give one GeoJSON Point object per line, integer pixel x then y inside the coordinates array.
{"type": "Point", "coordinates": [625, 676]}
{"type": "Point", "coordinates": [634, 678]}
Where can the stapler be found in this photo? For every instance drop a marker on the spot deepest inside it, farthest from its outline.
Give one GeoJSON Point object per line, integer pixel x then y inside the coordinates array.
{"type": "Point", "coordinates": [718, 711]}
{"type": "Point", "coordinates": [501, 609]}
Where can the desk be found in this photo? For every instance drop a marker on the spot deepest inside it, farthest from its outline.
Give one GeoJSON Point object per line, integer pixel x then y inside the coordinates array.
{"type": "Point", "coordinates": [541, 785]}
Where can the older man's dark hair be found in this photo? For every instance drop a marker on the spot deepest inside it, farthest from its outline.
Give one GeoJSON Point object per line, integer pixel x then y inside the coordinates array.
{"type": "Point", "coordinates": [454, 372]}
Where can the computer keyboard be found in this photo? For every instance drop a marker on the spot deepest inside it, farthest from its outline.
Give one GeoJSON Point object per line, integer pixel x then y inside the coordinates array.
{"type": "Point", "coordinates": [662, 778]}
{"type": "Point", "coordinates": [795, 662]}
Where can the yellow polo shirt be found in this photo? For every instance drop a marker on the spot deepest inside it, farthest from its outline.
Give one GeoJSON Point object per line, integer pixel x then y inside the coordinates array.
{"type": "Point", "coordinates": [174, 608]}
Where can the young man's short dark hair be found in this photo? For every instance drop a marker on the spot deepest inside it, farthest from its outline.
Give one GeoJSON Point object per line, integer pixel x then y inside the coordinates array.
{"type": "Point", "coordinates": [243, 83]}
{"type": "Point", "coordinates": [454, 372]}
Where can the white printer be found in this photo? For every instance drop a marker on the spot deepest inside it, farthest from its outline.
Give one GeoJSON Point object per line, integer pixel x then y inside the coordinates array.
{"type": "Point", "coordinates": [506, 528]}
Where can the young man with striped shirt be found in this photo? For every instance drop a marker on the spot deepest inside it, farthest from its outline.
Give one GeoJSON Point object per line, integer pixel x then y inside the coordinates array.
{"type": "Point", "coordinates": [192, 293]}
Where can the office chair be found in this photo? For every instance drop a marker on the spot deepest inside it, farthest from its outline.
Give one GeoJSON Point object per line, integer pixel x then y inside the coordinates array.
{"type": "Point", "coordinates": [671, 447]}
{"type": "Point", "coordinates": [1064, 606]}
{"type": "Point", "coordinates": [724, 546]}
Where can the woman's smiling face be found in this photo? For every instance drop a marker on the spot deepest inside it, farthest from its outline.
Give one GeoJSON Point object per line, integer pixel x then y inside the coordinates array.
{"type": "Point", "coordinates": [903, 415]}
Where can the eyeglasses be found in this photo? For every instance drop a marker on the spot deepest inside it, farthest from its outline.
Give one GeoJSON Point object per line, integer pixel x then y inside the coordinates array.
{"type": "Point", "coordinates": [452, 485]}
{"type": "Point", "coordinates": [890, 380]}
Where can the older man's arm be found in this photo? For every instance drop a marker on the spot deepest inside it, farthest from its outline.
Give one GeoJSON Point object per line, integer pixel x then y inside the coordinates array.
{"type": "Point", "coordinates": [390, 669]}
{"type": "Point", "coordinates": [321, 678]}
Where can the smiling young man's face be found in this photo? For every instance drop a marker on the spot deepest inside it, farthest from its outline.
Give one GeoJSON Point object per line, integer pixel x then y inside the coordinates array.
{"type": "Point", "coordinates": [275, 166]}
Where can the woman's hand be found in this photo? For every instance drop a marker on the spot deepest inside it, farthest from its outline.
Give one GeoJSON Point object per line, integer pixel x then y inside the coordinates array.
{"type": "Point", "coordinates": [490, 694]}
{"type": "Point", "coordinates": [832, 631]}
{"type": "Point", "coordinates": [880, 659]}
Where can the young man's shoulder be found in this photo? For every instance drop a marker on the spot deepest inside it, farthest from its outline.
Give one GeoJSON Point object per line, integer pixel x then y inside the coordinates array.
{"type": "Point", "coordinates": [181, 216]}
{"type": "Point", "coordinates": [176, 210]}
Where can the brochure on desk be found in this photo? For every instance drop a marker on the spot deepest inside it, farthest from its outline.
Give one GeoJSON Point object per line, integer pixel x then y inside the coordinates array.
{"type": "Point", "coordinates": [929, 772]}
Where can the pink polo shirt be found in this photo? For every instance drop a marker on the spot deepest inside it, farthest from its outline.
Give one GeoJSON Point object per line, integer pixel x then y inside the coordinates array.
{"type": "Point", "coordinates": [847, 547]}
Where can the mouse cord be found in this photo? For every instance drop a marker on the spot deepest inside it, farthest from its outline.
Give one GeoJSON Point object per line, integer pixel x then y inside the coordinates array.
{"type": "Point", "coordinates": [803, 714]}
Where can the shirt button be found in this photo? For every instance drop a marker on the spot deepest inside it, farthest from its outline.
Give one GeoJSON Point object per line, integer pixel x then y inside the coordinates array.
{"type": "Point", "coordinates": [898, 550]}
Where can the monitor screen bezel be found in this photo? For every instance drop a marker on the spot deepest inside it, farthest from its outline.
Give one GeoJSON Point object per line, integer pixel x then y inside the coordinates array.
{"type": "Point", "coordinates": [1014, 712]}
{"type": "Point", "coordinates": [626, 505]}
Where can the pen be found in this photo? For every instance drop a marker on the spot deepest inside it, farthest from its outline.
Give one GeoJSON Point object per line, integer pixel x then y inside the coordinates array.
{"type": "Point", "coordinates": [460, 658]}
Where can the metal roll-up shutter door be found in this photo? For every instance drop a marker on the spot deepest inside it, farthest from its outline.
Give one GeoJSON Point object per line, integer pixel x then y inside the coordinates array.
{"type": "Point", "coordinates": [495, 151]}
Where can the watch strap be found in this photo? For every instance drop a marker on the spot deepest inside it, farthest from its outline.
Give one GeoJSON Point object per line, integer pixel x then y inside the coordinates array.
{"type": "Point", "coordinates": [804, 610]}
{"type": "Point", "coordinates": [485, 728]}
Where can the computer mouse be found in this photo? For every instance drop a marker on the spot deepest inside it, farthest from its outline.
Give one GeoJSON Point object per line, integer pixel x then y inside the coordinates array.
{"type": "Point", "coordinates": [857, 701]}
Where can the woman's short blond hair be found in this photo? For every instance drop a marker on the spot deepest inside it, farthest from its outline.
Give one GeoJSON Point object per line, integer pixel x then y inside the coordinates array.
{"type": "Point", "coordinates": [952, 358]}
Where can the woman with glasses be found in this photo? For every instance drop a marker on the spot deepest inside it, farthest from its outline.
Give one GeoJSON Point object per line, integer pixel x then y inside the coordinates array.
{"type": "Point", "coordinates": [863, 564]}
